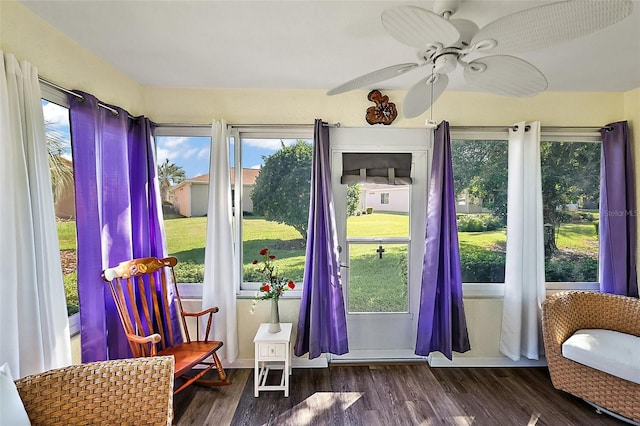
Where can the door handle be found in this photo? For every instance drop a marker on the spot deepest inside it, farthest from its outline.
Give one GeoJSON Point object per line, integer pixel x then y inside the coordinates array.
{"type": "Point", "coordinates": [344, 266]}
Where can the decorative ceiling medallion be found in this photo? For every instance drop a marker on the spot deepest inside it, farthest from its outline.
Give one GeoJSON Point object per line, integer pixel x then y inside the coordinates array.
{"type": "Point", "coordinates": [384, 112]}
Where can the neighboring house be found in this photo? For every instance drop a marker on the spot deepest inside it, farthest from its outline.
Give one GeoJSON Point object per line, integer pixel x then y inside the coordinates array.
{"type": "Point", "coordinates": [389, 198]}
{"type": "Point", "coordinates": [384, 198]}
{"type": "Point", "coordinates": [190, 197]}
{"type": "Point", "coordinates": [466, 203]}
{"type": "Point", "coordinates": [65, 206]}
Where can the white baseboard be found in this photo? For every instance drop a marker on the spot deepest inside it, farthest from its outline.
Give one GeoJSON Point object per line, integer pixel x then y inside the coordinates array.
{"type": "Point", "coordinates": [434, 360]}
{"type": "Point", "coordinates": [320, 362]}
{"type": "Point", "coordinates": [437, 360]}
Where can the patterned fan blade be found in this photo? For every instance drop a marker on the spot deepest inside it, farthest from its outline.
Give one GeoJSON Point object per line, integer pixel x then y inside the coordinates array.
{"type": "Point", "coordinates": [505, 75]}
{"type": "Point", "coordinates": [547, 25]}
{"type": "Point", "coordinates": [373, 77]}
{"type": "Point", "coordinates": [420, 97]}
{"type": "Point", "coordinates": [418, 27]}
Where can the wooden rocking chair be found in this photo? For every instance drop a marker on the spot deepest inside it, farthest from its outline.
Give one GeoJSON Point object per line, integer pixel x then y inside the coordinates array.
{"type": "Point", "coordinates": [140, 291]}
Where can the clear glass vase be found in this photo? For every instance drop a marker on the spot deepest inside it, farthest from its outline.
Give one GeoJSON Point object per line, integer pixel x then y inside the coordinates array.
{"type": "Point", "coordinates": [274, 323]}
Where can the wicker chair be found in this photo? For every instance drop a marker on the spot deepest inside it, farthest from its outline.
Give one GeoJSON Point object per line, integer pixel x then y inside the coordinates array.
{"type": "Point", "coordinates": [128, 391]}
{"type": "Point", "coordinates": [565, 313]}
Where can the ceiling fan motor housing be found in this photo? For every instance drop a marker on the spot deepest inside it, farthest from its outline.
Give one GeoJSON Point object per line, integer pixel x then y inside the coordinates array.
{"type": "Point", "coordinates": [446, 63]}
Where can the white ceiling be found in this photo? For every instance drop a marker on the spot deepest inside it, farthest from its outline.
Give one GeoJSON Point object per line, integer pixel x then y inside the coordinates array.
{"type": "Point", "coordinates": [308, 44]}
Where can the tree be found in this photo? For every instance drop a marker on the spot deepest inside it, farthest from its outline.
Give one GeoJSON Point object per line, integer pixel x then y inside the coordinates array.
{"type": "Point", "coordinates": [481, 168]}
{"type": "Point", "coordinates": [283, 186]}
{"type": "Point", "coordinates": [169, 174]}
{"type": "Point", "coordinates": [570, 174]}
{"type": "Point", "coordinates": [60, 168]}
{"type": "Point", "coordinates": [353, 198]}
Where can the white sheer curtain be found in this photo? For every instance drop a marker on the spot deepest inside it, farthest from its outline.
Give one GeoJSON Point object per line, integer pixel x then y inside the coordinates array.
{"type": "Point", "coordinates": [524, 271]}
{"type": "Point", "coordinates": [219, 287]}
{"type": "Point", "coordinates": [34, 328]}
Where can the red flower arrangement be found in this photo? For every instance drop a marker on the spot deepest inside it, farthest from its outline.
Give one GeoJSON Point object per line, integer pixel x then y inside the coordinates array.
{"type": "Point", "coordinates": [273, 286]}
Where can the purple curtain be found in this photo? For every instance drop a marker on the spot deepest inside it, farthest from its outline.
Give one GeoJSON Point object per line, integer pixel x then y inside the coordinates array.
{"type": "Point", "coordinates": [118, 214]}
{"type": "Point", "coordinates": [617, 213]}
{"type": "Point", "coordinates": [441, 322]}
{"type": "Point", "coordinates": [322, 325]}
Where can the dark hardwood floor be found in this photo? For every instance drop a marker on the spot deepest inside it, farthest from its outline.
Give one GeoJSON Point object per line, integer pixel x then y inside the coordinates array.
{"type": "Point", "coordinates": [404, 394]}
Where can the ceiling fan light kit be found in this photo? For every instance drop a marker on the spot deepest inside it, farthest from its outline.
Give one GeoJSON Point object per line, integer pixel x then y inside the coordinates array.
{"type": "Point", "coordinates": [443, 43]}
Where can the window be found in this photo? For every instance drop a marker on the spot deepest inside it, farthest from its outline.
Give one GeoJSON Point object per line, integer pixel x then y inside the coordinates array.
{"type": "Point", "coordinates": [480, 180]}
{"type": "Point", "coordinates": [571, 197]}
{"type": "Point", "coordinates": [272, 196]}
{"type": "Point", "coordinates": [57, 132]}
{"type": "Point", "coordinates": [183, 175]}
{"type": "Point", "coordinates": [378, 244]}
{"type": "Point", "coordinates": [570, 166]}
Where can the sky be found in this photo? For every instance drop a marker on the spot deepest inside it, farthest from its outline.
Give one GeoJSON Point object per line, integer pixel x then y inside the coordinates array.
{"type": "Point", "coordinates": [190, 153]}
{"type": "Point", "coordinates": [56, 120]}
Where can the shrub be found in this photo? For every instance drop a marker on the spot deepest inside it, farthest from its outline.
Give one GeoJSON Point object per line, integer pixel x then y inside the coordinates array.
{"type": "Point", "coordinates": [574, 269]}
{"type": "Point", "coordinates": [578, 217]}
{"type": "Point", "coordinates": [481, 265]}
{"type": "Point", "coordinates": [188, 272]}
{"type": "Point", "coordinates": [71, 290]}
{"type": "Point", "coordinates": [252, 274]}
{"type": "Point", "coordinates": [369, 210]}
{"type": "Point", "coordinates": [477, 222]}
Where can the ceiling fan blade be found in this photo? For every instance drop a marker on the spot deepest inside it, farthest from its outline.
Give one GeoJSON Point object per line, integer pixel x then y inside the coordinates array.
{"type": "Point", "coordinates": [420, 98]}
{"type": "Point", "coordinates": [544, 26]}
{"type": "Point", "coordinates": [505, 75]}
{"type": "Point", "coordinates": [418, 27]}
{"type": "Point", "coordinates": [373, 77]}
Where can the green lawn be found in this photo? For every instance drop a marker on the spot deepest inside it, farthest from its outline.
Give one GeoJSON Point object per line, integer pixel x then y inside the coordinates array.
{"type": "Point", "coordinates": [67, 235]}
{"type": "Point", "coordinates": [371, 225]}
{"type": "Point", "coordinates": [375, 284]}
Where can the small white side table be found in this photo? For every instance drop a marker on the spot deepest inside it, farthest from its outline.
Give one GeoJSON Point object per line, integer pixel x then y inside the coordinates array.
{"type": "Point", "coordinates": [272, 348]}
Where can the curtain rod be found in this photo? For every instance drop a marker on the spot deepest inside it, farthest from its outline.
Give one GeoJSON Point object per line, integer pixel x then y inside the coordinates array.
{"type": "Point", "coordinates": [77, 95]}
{"type": "Point", "coordinates": [542, 128]}
{"type": "Point", "coordinates": [264, 126]}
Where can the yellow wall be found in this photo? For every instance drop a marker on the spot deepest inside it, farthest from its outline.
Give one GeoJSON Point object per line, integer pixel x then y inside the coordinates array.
{"type": "Point", "coordinates": [65, 62]}
{"type": "Point", "coordinates": [240, 106]}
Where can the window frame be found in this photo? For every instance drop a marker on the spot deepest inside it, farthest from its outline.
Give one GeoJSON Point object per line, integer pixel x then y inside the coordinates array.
{"type": "Point", "coordinates": [580, 137]}
{"type": "Point", "coordinates": [497, 290]}
{"type": "Point", "coordinates": [58, 97]}
{"type": "Point", "coordinates": [187, 290]}
{"type": "Point", "coordinates": [238, 133]}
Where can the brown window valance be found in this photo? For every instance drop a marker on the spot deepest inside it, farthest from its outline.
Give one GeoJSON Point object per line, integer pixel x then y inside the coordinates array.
{"type": "Point", "coordinates": [385, 168]}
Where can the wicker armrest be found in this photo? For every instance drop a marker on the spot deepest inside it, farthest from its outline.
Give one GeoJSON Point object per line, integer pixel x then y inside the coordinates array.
{"type": "Point", "coordinates": [567, 312]}
{"type": "Point", "coordinates": [129, 391]}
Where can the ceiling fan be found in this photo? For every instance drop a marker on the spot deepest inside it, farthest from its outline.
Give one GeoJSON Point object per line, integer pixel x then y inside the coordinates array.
{"type": "Point", "coordinates": [444, 43]}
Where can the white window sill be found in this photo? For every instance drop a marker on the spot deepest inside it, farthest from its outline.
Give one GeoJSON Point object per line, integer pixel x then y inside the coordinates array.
{"type": "Point", "coordinates": [74, 324]}
{"type": "Point", "coordinates": [496, 290]}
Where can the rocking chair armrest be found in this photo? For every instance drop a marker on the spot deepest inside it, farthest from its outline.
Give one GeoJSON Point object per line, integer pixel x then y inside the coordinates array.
{"type": "Point", "coordinates": [212, 310]}
{"type": "Point", "coordinates": [152, 338]}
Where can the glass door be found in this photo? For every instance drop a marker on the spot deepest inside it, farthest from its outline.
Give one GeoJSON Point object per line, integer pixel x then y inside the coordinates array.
{"type": "Point", "coordinates": [381, 237]}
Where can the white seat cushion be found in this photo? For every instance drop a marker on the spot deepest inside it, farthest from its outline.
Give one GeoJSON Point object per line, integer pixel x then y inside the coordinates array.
{"type": "Point", "coordinates": [610, 351]}
{"type": "Point", "coordinates": [11, 409]}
